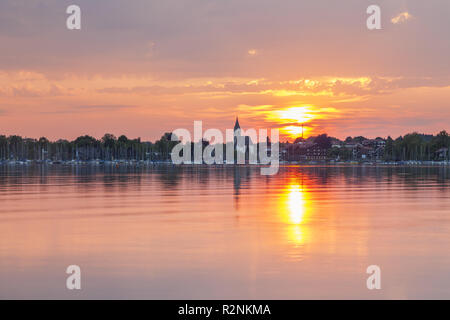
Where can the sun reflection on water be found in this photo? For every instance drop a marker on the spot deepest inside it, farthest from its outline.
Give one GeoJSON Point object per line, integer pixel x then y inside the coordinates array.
{"type": "Point", "coordinates": [294, 212]}
{"type": "Point", "coordinates": [296, 204]}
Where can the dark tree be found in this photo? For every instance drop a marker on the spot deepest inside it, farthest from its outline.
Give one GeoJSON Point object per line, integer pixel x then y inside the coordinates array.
{"type": "Point", "coordinates": [324, 141]}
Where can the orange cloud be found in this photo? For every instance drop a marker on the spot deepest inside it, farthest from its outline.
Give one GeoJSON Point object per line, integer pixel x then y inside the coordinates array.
{"type": "Point", "coordinates": [72, 105]}
{"type": "Point", "coordinates": [401, 18]}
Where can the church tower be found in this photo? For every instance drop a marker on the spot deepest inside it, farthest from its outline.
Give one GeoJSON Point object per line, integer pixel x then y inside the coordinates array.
{"type": "Point", "coordinates": [240, 142]}
{"type": "Point", "coordinates": [237, 131]}
{"type": "Point", "coordinates": [236, 126]}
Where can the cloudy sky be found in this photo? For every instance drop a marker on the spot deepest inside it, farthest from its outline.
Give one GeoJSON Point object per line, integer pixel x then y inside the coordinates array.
{"type": "Point", "coordinates": [144, 67]}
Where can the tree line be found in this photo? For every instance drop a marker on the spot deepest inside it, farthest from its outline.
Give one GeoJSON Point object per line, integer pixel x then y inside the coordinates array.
{"type": "Point", "coordinates": [412, 146]}
{"type": "Point", "coordinates": [85, 148]}
{"type": "Point", "coordinates": [416, 146]}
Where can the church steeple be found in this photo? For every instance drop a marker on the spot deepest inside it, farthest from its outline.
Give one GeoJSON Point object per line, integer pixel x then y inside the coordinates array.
{"type": "Point", "coordinates": [236, 124]}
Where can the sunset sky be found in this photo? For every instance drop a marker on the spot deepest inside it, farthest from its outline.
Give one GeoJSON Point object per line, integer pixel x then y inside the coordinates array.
{"type": "Point", "coordinates": [142, 67]}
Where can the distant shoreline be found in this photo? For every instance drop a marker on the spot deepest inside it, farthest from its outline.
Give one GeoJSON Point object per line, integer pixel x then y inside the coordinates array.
{"type": "Point", "coordinates": [131, 163]}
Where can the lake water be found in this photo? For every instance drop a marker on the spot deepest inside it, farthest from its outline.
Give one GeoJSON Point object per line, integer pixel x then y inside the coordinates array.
{"type": "Point", "coordinates": [204, 232]}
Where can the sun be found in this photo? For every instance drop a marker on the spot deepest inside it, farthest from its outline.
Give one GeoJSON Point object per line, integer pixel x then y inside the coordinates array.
{"type": "Point", "coordinates": [300, 115]}
{"type": "Point", "coordinates": [294, 120]}
{"type": "Point", "coordinates": [295, 131]}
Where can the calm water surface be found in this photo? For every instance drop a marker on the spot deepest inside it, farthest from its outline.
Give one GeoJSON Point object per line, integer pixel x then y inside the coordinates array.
{"type": "Point", "coordinates": [206, 232]}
